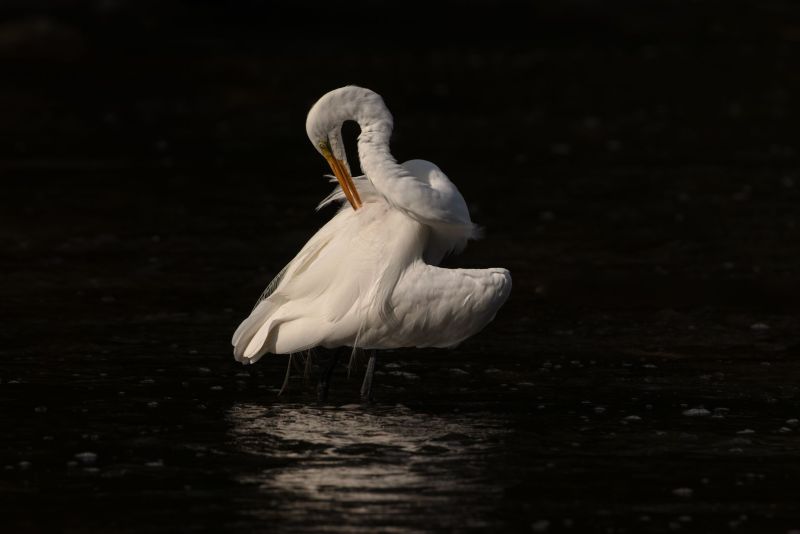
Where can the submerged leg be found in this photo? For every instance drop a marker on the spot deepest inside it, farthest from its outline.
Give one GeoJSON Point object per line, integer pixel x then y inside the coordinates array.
{"type": "Point", "coordinates": [351, 364]}
{"type": "Point", "coordinates": [307, 370]}
{"type": "Point", "coordinates": [298, 364]}
{"type": "Point", "coordinates": [326, 371]}
{"type": "Point", "coordinates": [286, 378]}
{"type": "Point", "coordinates": [366, 386]}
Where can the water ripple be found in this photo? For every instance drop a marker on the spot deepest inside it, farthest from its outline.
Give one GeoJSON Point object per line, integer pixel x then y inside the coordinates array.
{"type": "Point", "coordinates": [378, 468]}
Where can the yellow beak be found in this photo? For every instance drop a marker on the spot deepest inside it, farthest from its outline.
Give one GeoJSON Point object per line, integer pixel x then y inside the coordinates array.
{"type": "Point", "coordinates": [345, 180]}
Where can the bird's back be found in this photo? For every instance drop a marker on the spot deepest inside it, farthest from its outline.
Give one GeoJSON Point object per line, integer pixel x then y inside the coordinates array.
{"type": "Point", "coordinates": [436, 307]}
{"type": "Point", "coordinates": [365, 279]}
{"type": "Point", "coordinates": [326, 293]}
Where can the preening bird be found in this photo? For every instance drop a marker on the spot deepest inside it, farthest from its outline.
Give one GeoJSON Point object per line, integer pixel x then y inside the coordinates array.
{"type": "Point", "coordinates": [369, 279]}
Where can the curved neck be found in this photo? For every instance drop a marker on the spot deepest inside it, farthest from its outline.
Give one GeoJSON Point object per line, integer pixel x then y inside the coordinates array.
{"type": "Point", "coordinates": [367, 108]}
{"type": "Point", "coordinates": [374, 153]}
{"type": "Point", "coordinates": [376, 123]}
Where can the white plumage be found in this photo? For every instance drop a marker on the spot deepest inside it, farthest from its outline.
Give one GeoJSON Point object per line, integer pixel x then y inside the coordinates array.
{"type": "Point", "coordinates": [368, 278]}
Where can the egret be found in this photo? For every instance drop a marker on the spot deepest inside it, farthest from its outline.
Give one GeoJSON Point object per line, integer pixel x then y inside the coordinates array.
{"type": "Point", "coordinates": [368, 279]}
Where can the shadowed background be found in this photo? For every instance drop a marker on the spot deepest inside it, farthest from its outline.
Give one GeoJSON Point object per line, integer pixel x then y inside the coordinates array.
{"type": "Point", "coordinates": [636, 168]}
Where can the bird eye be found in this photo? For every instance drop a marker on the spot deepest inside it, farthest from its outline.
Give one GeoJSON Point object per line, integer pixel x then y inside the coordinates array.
{"type": "Point", "coordinates": [325, 146]}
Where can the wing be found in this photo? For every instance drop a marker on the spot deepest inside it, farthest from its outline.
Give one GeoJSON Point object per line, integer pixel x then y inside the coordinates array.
{"type": "Point", "coordinates": [346, 272]}
{"type": "Point", "coordinates": [448, 232]}
{"type": "Point", "coordinates": [421, 190]}
{"type": "Point", "coordinates": [274, 307]}
{"type": "Point", "coordinates": [368, 193]}
{"type": "Point", "coordinates": [435, 307]}
{"type": "Point", "coordinates": [443, 210]}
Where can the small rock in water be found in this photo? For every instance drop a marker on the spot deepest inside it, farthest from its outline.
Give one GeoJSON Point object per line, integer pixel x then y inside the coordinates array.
{"type": "Point", "coordinates": [40, 409]}
{"type": "Point", "coordinates": [683, 492]}
{"type": "Point", "coordinates": [696, 412]}
{"type": "Point", "coordinates": [540, 526]}
{"type": "Point", "coordinates": [759, 326]}
{"type": "Point", "coordinates": [747, 431]}
{"type": "Point", "coordinates": [403, 374]}
{"type": "Point", "coordinates": [632, 418]}
{"type": "Point", "coordinates": [793, 422]}
{"type": "Point", "coordinates": [458, 372]}
{"type": "Point", "coordinates": [784, 430]}
{"type": "Point", "coordinates": [86, 458]}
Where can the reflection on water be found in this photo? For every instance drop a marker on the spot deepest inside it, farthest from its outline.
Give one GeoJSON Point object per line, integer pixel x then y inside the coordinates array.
{"type": "Point", "coordinates": [353, 469]}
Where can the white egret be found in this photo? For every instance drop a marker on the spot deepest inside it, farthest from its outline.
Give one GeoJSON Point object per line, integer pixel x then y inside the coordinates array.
{"type": "Point", "coordinates": [368, 279]}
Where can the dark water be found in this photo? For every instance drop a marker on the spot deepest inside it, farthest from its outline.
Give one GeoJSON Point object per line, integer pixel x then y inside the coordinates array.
{"type": "Point", "coordinates": [636, 169]}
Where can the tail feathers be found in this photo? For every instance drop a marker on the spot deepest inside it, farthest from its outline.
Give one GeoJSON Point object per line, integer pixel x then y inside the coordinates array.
{"type": "Point", "coordinates": [275, 329]}
{"type": "Point", "coordinates": [263, 341]}
{"type": "Point", "coordinates": [249, 328]}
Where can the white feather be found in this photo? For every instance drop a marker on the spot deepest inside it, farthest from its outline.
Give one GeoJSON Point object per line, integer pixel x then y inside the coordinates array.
{"type": "Point", "coordinates": [368, 277]}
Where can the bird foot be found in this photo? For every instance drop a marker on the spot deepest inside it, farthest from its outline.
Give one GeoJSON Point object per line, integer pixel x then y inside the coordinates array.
{"type": "Point", "coordinates": [366, 386]}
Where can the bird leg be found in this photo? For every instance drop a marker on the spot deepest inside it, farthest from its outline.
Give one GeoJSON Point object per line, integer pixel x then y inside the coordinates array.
{"type": "Point", "coordinates": [286, 378]}
{"type": "Point", "coordinates": [352, 362]}
{"type": "Point", "coordinates": [307, 370]}
{"type": "Point", "coordinates": [366, 386]}
{"type": "Point", "coordinates": [324, 383]}
{"type": "Point", "coordinates": [298, 364]}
